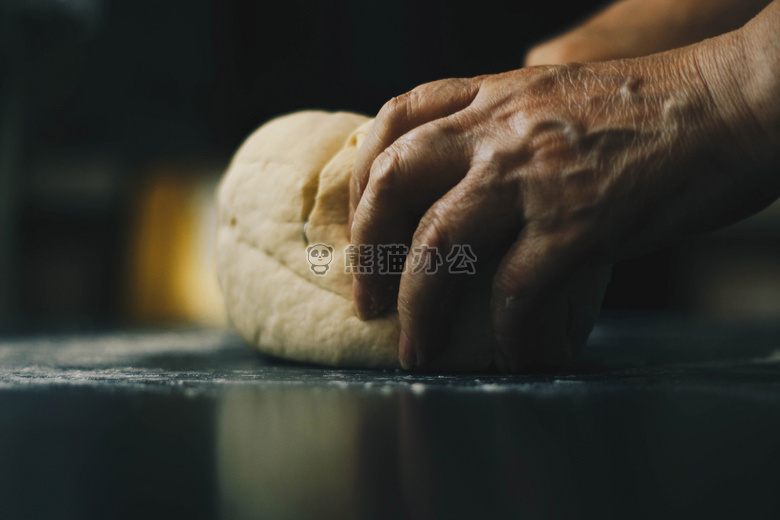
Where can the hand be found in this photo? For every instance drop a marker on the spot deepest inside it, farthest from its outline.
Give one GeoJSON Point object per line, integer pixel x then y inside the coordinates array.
{"type": "Point", "coordinates": [546, 169]}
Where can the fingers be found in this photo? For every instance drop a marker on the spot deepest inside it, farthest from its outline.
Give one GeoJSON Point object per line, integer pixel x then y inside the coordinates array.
{"type": "Point", "coordinates": [401, 114]}
{"type": "Point", "coordinates": [404, 181]}
{"type": "Point", "coordinates": [468, 220]}
{"type": "Point", "coordinates": [529, 308]}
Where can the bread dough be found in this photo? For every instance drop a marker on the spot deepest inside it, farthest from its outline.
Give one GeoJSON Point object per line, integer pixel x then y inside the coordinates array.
{"type": "Point", "coordinates": [295, 170]}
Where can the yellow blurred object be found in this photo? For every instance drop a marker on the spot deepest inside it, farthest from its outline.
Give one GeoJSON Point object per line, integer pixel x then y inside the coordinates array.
{"type": "Point", "coordinates": [171, 274]}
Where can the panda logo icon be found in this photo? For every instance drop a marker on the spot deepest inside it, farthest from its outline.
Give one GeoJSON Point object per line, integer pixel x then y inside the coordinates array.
{"type": "Point", "coordinates": [319, 257]}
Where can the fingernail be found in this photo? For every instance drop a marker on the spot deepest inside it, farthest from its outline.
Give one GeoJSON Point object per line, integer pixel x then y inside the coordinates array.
{"type": "Point", "coordinates": [365, 303]}
{"type": "Point", "coordinates": [408, 356]}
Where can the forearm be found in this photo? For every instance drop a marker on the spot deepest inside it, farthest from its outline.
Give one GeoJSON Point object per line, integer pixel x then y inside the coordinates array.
{"type": "Point", "coordinates": [632, 28]}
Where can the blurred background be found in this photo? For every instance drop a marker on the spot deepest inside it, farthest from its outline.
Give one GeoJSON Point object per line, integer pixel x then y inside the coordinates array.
{"type": "Point", "coordinates": [117, 118]}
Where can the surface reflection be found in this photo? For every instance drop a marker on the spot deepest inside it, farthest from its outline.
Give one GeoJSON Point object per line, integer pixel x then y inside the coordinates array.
{"type": "Point", "coordinates": [551, 450]}
{"type": "Point", "coordinates": [293, 453]}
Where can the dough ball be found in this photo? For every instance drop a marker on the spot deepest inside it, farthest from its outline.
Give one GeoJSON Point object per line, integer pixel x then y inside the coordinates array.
{"type": "Point", "coordinates": [287, 291]}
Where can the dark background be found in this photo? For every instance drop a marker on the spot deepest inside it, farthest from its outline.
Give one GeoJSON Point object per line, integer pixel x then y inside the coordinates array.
{"type": "Point", "coordinates": [96, 93]}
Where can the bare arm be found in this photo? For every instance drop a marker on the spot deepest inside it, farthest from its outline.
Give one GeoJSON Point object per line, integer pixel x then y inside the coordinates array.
{"type": "Point", "coordinates": [633, 28]}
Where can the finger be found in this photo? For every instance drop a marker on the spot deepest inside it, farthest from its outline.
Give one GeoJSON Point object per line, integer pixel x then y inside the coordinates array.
{"type": "Point", "coordinates": [418, 169]}
{"type": "Point", "coordinates": [529, 307]}
{"type": "Point", "coordinates": [401, 114]}
{"type": "Point", "coordinates": [427, 300]}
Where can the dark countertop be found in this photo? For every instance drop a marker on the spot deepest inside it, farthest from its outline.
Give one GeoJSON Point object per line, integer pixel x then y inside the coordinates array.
{"type": "Point", "coordinates": [661, 417]}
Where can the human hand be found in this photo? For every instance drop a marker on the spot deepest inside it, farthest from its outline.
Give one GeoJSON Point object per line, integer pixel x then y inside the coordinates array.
{"type": "Point", "coordinates": [547, 169]}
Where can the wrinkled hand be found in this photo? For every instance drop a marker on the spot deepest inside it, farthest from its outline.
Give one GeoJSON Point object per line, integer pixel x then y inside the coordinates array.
{"type": "Point", "coordinates": [546, 169]}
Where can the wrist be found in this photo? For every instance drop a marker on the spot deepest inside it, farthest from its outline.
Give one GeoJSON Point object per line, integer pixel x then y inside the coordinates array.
{"type": "Point", "coordinates": [741, 75]}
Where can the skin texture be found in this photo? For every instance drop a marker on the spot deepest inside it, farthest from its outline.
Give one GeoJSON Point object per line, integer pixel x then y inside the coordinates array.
{"type": "Point", "coordinates": [546, 169]}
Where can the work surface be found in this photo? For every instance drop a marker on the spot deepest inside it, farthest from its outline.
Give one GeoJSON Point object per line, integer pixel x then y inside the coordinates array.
{"type": "Point", "coordinates": [661, 417]}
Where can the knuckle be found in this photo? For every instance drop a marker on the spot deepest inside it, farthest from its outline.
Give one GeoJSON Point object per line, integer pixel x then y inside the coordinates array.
{"type": "Point", "coordinates": [397, 109]}
{"type": "Point", "coordinates": [428, 89]}
{"type": "Point", "coordinates": [488, 176]}
{"type": "Point", "coordinates": [445, 86]}
{"type": "Point", "coordinates": [384, 173]}
{"type": "Point", "coordinates": [435, 133]}
{"type": "Point", "coordinates": [434, 230]}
